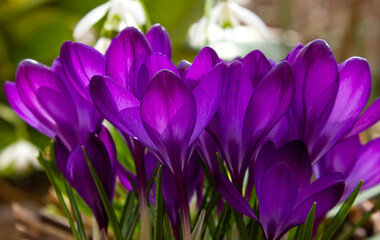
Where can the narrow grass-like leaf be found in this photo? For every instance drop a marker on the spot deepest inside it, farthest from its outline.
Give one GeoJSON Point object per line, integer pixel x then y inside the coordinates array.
{"type": "Point", "coordinates": [341, 215]}
{"type": "Point", "coordinates": [239, 221]}
{"type": "Point", "coordinates": [127, 208]}
{"type": "Point", "coordinates": [75, 210]}
{"type": "Point", "coordinates": [197, 231]}
{"type": "Point", "coordinates": [105, 200]}
{"type": "Point", "coordinates": [158, 221]}
{"type": "Point", "coordinates": [221, 165]}
{"type": "Point", "coordinates": [133, 223]}
{"type": "Point", "coordinates": [223, 221]}
{"type": "Point", "coordinates": [362, 220]}
{"type": "Point", "coordinates": [49, 174]}
{"type": "Point", "coordinates": [305, 231]}
{"type": "Point", "coordinates": [166, 225]}
{"type": "Point", "coordinates": [149, 183]}
{"type": "Point", "coordinates": [205, 170]}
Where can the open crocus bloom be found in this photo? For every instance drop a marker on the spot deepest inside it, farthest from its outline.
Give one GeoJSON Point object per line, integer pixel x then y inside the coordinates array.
{"type": "Point", "coordinates": [283, 188]}
{"type": "Point", "coordinates": [328, 101]}
{"type": "Point", "coordinates": [256, 97]}
{"type": "Point", "coordinates": [34, 95]}
{"type": "Point", "coordinates": [56, 102]}
{"type": "Point", "coordinates": [166, 109]}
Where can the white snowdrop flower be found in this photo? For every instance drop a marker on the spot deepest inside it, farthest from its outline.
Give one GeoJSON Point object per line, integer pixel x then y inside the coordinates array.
{"type": "Point", "coordinates": [20, 155]}
{"type": "Point", "coordinates": [119, 14]}
{"type": "Point", "coordinates": [232, 30]}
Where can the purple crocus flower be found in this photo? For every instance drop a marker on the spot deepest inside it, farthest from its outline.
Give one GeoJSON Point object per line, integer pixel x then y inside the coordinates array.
{"type": "Point", "coordinates": [256, 97]}
{"type": "Point", "coordinates": [356, 162]}
{"type": "Point", "coordinates": [73, 166]}
{"type": "Point", "coordinates": [284, 192]}
{"type": "Point", "coordinates": [328, 101]}
{"type": "Point", "coordinates": [130, 60]}
{"type": "Point", "coordinates": [166, 109]}
{"type": "Point", "coordinates": [56, 102]}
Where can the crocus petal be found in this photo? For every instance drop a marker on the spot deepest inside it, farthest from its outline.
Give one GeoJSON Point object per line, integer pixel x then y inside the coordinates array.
{"type": "Point", "coordinates": [23, 111]}
{"type": "Point", "coordinates": [257, 66]}
{"type": "Point", "coordinates": [159, 40]}
{"type": "Point", "coordinates": [106, 138]}
{"type": "Point", "coordinates": [296, 156]}
{"type": "Point", "coordinates": [276, 203]}
{"type": "Point", "coordinates": [366, 168]}
{"type": "Point", "coordinates": [201, 65]}
{"type": "Point", "coordinates": [63, 111]}
{"type": "Point", "coordinates": [168, 113]}
{"type": "Point", "coordinates": [207, 147]}
{"type": "Point", "coordinates": [124, 176]}
{"type": "Point", "coordinates": [267, 157]}
{"type": "Point", "coordinates": [317, 80]}
{"type": "Point", "coordinates": [367, 119]}
{"type": "Point", "coordinates": [291, 57]}
{"type": "Point", "coordinates": [81, 62]}
{"type": "Point", "coordinates": [169, 192]}
{"type": "Point", "coordinates": [325, 191]}
{"type": "Point", "coordinates": [230, 117]}
{"type": "Point", "coordinates": [30, 76]}
{"type": "Point", "coordinates": [342, 157]}
{"type": "Point", "coordinates": [182, 67]}
{"type": "Point", "coordinates": [233, 196]}
{"type": "Point", "coordinates": [269, 102]}
{"type": "Point", "coordinates": [320, 184]}
{"type": "Point", "coordinates": [353, 94]}
{"type": "Point", "coordinates": [153, 64]}
{"type": "Point", "coordinates": [119, 107]}
{"type": "Point", "coordinates": [126, 53]}
{"type": "Point", "coordinates": [207, 97]}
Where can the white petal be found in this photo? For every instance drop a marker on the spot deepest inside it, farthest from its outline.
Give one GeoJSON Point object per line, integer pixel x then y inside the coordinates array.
{"type": "Point", "coordinates": [102, 44]}
{"type": "Point", "coordinates": [90, 19]}
{"type": "Point", "coordinates": [250, 19]}
{"type": "Point", "coordinates": [21, 154]}
{"type": "Point", "coordinates": [135, 9]}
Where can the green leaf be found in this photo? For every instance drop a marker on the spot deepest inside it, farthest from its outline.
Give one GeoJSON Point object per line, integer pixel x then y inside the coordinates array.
{"type": "Point", "coordinates": [341, 215]}
{"type": "Point", "coordinates": [239, 221]}
{"type": "Point", "coordinates": [306, 230]}
{"type": "Point", "coordinates": [105, 200]}
{"type": "Point", "coordinates": [133, 223]}
{"type": "Point", "coordinates": [158, 225]}
{"type": "Point", "coordinates": [362, 221]}
{"type": "Point", "coordinates": [122, 150]}
{"type": "Point", "coordinates": [151, 178]}
{"type": "Point", "coordinates": [126, 213]}
{"type": "Point", "coordinates": [45, 166]}
{"type": "Point", "coordinates": [223, 221]}
{"type": "Point", "coordinates": [167, 231]}
{"type": "Point", "coordinates": [197, 231]}
{"type": "Point", "coordinates": [221, 165]}
{"type": "Point", "coordinates": [75, 210]}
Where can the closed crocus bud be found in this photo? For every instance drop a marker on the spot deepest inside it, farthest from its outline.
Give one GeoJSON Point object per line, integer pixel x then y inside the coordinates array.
{"type": "Point", "coordinates": [73, 165]}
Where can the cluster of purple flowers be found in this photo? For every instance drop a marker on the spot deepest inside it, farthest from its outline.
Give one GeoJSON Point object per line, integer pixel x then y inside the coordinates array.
{"type": "Point", "coordinates": [290, 128]}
